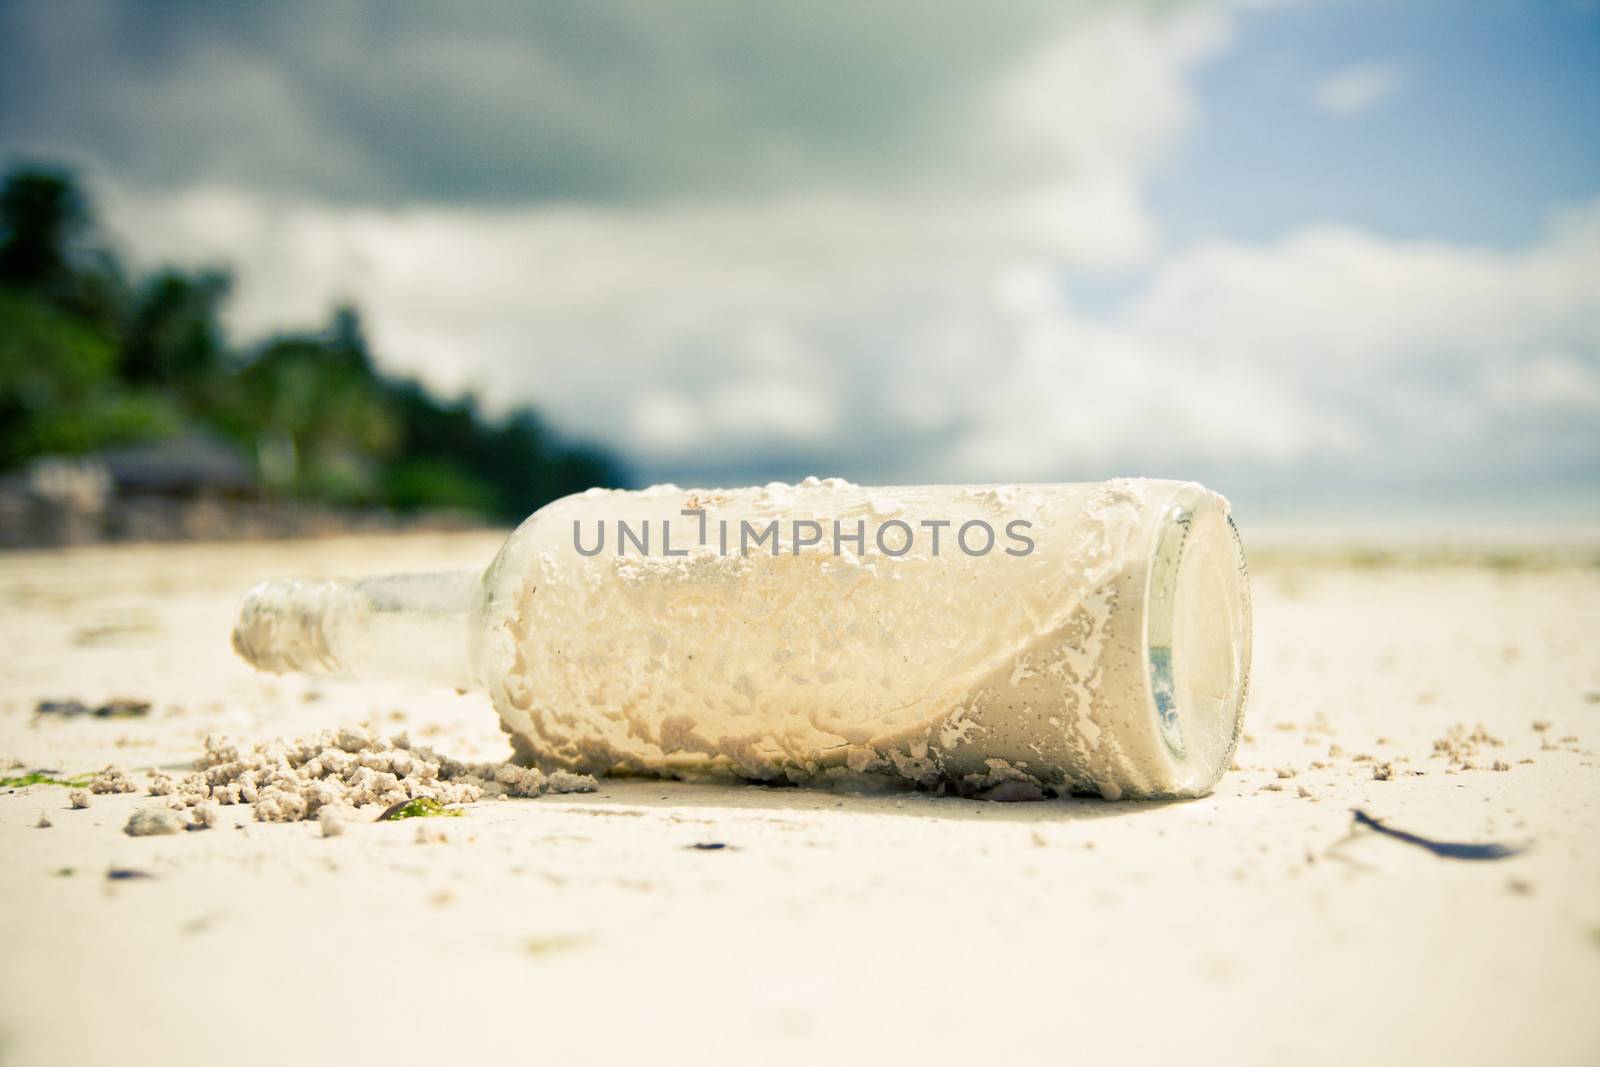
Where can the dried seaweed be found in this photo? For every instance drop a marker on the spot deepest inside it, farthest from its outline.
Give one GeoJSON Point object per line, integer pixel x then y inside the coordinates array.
{"type": "Point", "coordinates": [120, 708]}
{"type": "Point", "coordinates": [1445, 849]}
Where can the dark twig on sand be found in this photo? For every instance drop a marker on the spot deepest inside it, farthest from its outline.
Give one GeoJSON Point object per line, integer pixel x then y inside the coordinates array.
{"type": "Point", "coordinates": [1445, 849]}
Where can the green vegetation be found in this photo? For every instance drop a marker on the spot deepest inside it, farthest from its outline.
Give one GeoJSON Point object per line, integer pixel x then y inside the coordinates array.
{"type": "Point", "coordinates": [40, 778]}
{"type": "Point", "coordinates": [91, 359]}
{"type": "Point", "coordinates": [420, 808]}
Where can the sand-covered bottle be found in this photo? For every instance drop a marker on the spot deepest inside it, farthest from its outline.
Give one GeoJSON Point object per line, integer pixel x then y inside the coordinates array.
{"type": "Point", "coordinates": [1010, 641]}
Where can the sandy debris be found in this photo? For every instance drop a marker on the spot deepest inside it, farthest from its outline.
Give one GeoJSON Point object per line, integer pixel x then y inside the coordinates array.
{"type": "Point", "coordinates": [1383, 772]}
{"type": "Point", "coordinates": [567, 782]}
{"type": "Point", "coordinates": [521, 781]}
{"type": "Point", "coordinates": [78, 798]}
{"type": "Point", "coordinates": [149, 821]}
{"type": "Point", "coordinates": [333, 818]}
{"type": "Point", "coordinates": [44, 822]}
{"type": "Point", "coordinates": [1459, 746]}
{"type": "Point", "coordinates": [113, 780]}
{"type": "Point", "coordinates": [344, 770]}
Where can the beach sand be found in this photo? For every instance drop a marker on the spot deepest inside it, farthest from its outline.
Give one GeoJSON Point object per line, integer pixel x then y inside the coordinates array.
{"type": "Point", "coordinates": [1246, 927]}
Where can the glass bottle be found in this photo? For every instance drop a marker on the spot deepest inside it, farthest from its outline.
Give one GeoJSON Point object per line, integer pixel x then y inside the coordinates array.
{"type": "Point", "coordinates": [1011, 641]}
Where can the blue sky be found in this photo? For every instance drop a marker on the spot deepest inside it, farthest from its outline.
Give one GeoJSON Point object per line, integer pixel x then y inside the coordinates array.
{"type": "Point", "coordinates": [1493, 122]}
{"type": "Point", "coordinates": [1338, 250]}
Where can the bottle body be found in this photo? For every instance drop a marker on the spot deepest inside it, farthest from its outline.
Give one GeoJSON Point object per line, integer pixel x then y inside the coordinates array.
{"type": "Point", "coordinates": [1028, 639]}
{"type": "Point", "coordinates": [975, 634]}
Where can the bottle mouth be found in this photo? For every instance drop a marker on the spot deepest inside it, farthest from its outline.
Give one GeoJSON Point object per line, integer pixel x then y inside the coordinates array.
{"type": "Point", "coordinates": [1197, 636]}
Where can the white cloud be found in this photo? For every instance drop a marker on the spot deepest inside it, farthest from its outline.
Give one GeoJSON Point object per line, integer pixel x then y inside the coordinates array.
{"type": "Point", "coordinates": [1330, 349]}
{"type": "Point", "coordinates": [738, 321]}
{"type": "Point", "coordinates": [1358, 89]}
{"type": "Point", "coordinates": [1110, 94]}
{"type": "Point", "coordinates": [690, 342]}
{"type": "Point", "coordinates": [927, 328]}
{"type": "Point", "coordinates": [601, 103]}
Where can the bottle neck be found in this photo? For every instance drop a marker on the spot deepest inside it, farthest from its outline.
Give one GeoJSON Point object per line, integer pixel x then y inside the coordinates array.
{"type": "Point", "coordinates": [406, 627]}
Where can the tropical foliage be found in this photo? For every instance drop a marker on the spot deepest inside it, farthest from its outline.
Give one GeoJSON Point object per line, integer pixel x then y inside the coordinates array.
{"type": "Point", "coordinates": [92, 359]}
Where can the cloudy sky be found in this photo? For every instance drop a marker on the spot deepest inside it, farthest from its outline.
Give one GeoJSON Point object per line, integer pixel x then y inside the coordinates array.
{"type": "Point", "coordinates": [1349, 244]}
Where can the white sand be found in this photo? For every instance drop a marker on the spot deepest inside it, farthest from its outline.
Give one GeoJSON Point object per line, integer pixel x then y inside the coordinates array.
{"type": "Point", "coordinates": [832, 927]}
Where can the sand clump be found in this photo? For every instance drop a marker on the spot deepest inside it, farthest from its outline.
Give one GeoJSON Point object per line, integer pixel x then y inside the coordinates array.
{"type": "Point", "coordinates": [337, 772]}
{"type": "Point", "coordinates": [153, 821]}
{"type": "Point", "coordinates": [333, 818]}
{"type": "Point", "coordinates": [113, 780]}
{"type": "Point", "coordinates": [1460, 746]}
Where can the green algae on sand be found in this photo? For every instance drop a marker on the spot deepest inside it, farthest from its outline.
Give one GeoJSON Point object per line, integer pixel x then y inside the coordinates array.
{"type": "Point", "coordinates": [43, 778]}
{"type": "Point", "coordinates": [418, 808]}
